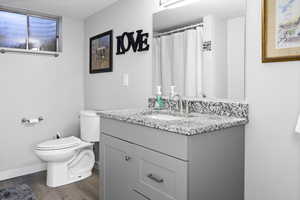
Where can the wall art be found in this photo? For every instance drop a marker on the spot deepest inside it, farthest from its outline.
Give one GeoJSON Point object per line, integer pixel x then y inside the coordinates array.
{"type": "Point", "coordinates": [280, 30]}
{"type": "Point", "coordinates": [138, 42]}
{"type": "Point", "coordinates": [101, 53]}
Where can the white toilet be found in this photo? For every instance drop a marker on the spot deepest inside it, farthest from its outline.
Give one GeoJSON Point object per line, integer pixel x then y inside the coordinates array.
{"type": "Point", "coordinates": [71, 159]}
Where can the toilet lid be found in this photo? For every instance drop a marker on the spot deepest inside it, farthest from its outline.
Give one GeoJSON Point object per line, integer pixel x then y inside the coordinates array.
{"type": "Point", "coordinates": [61, 143]}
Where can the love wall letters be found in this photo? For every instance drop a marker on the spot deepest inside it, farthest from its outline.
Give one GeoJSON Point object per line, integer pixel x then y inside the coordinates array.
{"type": "Point", "coordinates": [140, 43]}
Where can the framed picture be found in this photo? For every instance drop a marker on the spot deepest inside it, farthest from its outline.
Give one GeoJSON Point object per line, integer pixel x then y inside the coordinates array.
{"type": "Point", "coordinates": [280, 30]}
{"type": "Point", "coordinates": [101, 53]}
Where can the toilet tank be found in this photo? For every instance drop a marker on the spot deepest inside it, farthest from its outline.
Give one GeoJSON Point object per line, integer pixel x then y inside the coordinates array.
{"type": "Point", "coordinates": [89, 126]}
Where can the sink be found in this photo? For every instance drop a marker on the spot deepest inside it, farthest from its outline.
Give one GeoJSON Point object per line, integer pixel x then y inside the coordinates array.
{"type": "Point", "coordinates": [165, 117]}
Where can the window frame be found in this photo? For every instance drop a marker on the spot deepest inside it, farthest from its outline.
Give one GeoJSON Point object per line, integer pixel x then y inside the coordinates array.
{"type": "Point", "coordinates": [28, 14]}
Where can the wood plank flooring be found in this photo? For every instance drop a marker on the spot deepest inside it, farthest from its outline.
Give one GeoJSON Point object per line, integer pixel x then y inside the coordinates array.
{"type": "Point", "coordinates": [87, 189]}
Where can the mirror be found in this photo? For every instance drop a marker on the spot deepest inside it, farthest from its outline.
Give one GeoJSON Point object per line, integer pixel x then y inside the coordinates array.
{"type": "Point", "coordinates": [199, 46]}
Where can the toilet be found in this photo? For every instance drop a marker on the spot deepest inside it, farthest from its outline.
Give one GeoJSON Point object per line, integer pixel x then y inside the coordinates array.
{"type": "Point", "coordinates": [71, 159]}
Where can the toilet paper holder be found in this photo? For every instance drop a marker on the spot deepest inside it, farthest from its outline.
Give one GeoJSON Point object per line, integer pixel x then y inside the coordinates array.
{"type": "Point", "coordinates": [31, 121]}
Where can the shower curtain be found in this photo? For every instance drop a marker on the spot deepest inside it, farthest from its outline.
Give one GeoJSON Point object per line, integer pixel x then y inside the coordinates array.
{"type": "Point", "coordinates": [178, 60]}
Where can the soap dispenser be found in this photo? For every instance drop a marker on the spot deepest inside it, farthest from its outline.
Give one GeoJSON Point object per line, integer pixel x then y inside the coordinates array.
{"type": "Point", "coordinates": [159, 104]}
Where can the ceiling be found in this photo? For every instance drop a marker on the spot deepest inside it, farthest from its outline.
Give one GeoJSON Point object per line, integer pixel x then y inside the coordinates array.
{"type": "Point", "coordinates": [194, 12]}
{"type": "Point", "coordinates": [78, 9]}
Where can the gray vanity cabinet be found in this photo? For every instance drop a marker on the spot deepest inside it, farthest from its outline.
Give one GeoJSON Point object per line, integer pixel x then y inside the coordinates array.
{"type": "Point", "coordinates": [131, 172]}
{"type": "Point", "coordinates": [142, 163]}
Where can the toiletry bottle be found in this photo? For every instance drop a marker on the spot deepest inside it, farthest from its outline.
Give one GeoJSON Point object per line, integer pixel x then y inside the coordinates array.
{"type": "Point", "coordinates": [171, 96]}
{"type": "Point", "coordinates": [158, 101]}
{"type": "Point", "coordinates": [172, 91]}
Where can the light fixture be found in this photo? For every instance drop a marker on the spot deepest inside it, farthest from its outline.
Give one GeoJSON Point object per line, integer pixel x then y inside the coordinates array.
{"type": "Point", "coordinates": [175, 3]}
{"type": "Point", "coordinates": [167, 3]}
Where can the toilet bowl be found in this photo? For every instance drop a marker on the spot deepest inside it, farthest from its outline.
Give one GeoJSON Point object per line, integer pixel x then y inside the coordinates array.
{"type": "Point", "coordinates": [71, 159]}
{"type": "Point", "coordinates": [68, 160]}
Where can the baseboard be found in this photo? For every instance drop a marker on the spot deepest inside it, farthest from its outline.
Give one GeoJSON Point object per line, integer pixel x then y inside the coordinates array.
{"type": "Point", "coordinates": [12, 173]}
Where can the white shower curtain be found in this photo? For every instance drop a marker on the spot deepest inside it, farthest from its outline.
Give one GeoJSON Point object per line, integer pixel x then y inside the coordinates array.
{"type": "Point", "coordinates": [177, 60]}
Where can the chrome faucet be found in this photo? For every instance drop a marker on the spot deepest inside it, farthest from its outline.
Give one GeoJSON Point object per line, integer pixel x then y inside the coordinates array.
{"type": "Point", "coordinates": [187, 110]}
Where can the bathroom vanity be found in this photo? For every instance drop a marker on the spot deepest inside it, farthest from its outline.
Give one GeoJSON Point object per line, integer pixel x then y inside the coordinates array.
{"type": "Point", "coordinates": [199, 155]}
{"type": "Point", "coordinates": [152, 155]}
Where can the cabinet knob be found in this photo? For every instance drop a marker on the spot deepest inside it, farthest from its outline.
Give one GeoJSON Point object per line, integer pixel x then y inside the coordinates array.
{"type": "Point", "coordinates": [127, 158]}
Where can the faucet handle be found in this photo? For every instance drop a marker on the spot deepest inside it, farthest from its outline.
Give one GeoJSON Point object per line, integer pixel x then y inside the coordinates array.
{"type": "Point", "coordinates": [187, 110]}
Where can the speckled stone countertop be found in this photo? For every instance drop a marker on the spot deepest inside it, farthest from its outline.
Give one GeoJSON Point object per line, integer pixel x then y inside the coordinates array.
{"type": "Point", "coordinates": [193, 124]}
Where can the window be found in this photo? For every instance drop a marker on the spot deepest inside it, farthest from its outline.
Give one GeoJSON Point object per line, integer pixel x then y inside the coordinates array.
{"type": "Point", "coordinates": [13, 30]}
{"type": "Point", "coordinates": [23, 30]}
{"type": "Point", "coordinates": [42, 34]}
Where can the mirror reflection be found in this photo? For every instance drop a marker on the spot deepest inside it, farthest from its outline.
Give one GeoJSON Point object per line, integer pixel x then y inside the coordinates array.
{"type": "Point", "coordinates": [200, 48]}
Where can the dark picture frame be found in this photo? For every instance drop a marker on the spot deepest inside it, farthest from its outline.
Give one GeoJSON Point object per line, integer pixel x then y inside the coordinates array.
{"type": "Point", "coordinates": [101, 53]}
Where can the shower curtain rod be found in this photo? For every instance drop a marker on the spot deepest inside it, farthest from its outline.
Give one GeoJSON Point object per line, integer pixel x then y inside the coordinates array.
{"type": "Point", "coordinates": [179, 30]}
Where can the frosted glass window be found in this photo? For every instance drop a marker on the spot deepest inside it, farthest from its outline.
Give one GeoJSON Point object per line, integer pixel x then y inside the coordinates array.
{"type": "Point", "coordinates": [42, 34]}
{"type": "Point", "coordinates": [29, 31]}
{"type": "Point", "coordinates": [13, 30]}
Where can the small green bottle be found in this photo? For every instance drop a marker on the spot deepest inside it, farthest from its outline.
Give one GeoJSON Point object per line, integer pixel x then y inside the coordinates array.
{"type": "Point", "coordinates": [159, 103]}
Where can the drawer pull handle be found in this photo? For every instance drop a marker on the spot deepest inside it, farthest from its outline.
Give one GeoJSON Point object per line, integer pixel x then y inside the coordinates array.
{"type": "Point", "coordinates": [141, 194]}
{"type": "Point", "coordinates": [155, 178]}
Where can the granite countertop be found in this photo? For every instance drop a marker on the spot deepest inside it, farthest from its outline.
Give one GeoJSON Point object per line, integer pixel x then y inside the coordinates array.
{"type": "Point", "coordinates": [194, 124]}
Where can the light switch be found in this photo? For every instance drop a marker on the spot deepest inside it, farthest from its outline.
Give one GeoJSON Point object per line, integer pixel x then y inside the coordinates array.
{"type": "Point", "coordinates": [297, 130]}
{"type": "Point", "coordinates": [125, 80]}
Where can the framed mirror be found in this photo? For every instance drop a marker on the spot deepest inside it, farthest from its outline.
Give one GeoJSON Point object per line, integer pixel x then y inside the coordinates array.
{"type": "Point", "coordinates": [199, 47]}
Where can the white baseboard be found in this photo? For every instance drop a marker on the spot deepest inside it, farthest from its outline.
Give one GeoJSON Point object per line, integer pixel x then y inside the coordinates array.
{"type": "Point", "coordinates": [12, 173]}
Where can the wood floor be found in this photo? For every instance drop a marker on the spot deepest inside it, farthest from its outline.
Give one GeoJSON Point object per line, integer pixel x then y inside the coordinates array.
{"type": "Point", "coordinates": [87, 189]}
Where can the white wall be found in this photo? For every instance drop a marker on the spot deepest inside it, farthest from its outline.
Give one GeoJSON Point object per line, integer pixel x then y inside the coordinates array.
{"type": "Point", "coordinates": [272, 157]}
{"type": "Point", "coordinates": [105, 90]}
{"type": "Point", "coordinates": [236, 58]}
{"type": "Point", "coordinates": [272, 147]}
{"type": "Point", "coordinates": [215, 61]}
{"type": "Point", "coordinates": [33, 86]}
{"type": "Point", "coordinates": [219, 47]}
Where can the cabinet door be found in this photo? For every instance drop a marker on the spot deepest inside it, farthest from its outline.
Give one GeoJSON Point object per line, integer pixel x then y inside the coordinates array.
{"type": "Point", "coordinates": [119, 169]}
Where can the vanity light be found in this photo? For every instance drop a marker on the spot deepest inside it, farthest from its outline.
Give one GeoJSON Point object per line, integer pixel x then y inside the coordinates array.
{"type": "Point", "coordinates": [175, 3]}
{"type": "Point", "coordinates": [167, 3]}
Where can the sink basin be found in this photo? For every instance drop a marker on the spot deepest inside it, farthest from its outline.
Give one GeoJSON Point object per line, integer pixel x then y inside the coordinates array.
{"type": "Point", "coordinates": [165, 117]}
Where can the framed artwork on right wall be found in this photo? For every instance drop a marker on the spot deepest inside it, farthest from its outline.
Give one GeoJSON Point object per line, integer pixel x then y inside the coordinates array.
{"type": "Point", "coordinates": [280, 30]}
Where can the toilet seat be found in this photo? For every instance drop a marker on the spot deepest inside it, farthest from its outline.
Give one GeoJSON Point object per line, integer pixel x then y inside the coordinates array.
{"type": "Point", "coordinates": [63, 143]}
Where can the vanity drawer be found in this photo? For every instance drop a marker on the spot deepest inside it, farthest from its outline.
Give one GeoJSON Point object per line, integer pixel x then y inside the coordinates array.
{"type": "Point", "coordinates": [161, 177]}
{"type": "Point", "coordinates": [162, 141]}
